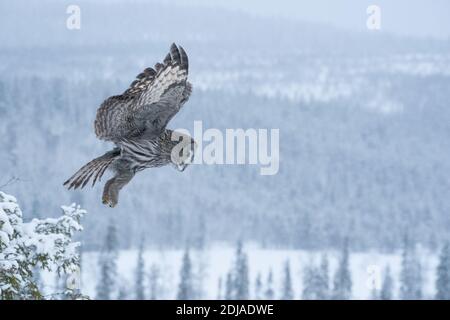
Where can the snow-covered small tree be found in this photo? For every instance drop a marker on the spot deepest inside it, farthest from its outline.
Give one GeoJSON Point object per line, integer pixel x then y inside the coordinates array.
{"type": "Point", "coordinates": [443, 275]}
{"type": "Point", "coordinates": [288, 293]}
{"type": "Point", "coordinates": [107, 285]}
{"type": "Point", "coordinates": [139, 278]}
{"type": "Point", "coordinates": [40, 243]}
{"type": "Point", "coordinates": [186, 287]}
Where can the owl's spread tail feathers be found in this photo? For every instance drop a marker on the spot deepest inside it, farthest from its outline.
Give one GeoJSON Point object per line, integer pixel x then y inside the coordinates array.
{"type": "Point", "coordinates": [93, 169]}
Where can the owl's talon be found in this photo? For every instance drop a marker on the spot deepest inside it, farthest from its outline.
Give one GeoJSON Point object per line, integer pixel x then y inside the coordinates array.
{"type": "Point", "coordinates": [106, 200]}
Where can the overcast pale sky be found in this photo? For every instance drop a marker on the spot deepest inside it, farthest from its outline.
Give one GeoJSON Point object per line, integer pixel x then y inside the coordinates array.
{"type": "Point", "coordinates": [405, 17]}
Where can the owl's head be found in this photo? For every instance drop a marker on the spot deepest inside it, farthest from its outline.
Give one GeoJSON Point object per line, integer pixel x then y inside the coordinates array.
{"type": "Point", "coordinates": [183, 150]}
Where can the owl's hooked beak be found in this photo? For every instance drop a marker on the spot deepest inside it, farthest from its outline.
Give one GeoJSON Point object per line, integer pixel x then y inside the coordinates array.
{"type": "Point", "coordinates": [180, 167]}
{"type": "Point", "coordinates": [190, 158]}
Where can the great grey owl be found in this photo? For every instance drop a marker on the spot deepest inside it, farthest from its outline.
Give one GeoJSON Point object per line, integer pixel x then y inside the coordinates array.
{"type": "Point", "coordinates": [135, 122]}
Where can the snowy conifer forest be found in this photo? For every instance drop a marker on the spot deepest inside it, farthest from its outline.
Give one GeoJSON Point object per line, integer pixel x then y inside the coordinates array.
{"type": "Point", "coordinates": [360, 206]}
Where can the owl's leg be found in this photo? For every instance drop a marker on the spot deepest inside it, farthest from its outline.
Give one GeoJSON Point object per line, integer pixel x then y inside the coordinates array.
{"type": "Point", "coordinates": [113, 186]}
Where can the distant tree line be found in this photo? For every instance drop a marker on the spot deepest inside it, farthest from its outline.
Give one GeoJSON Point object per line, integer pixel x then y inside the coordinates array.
{"type": "Point", "coordinates": [317, 282]}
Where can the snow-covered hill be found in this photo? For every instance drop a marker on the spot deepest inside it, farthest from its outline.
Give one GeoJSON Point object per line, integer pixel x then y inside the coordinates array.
{"type": "Point", "coordinates": [363, 125]}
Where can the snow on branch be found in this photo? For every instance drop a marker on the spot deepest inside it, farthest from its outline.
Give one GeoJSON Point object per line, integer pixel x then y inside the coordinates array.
{"type": "Point", "coordinates": [43, 243]}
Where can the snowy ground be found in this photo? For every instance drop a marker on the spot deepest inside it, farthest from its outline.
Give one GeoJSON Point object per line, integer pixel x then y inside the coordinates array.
{"type": "Point", "coordinates": [218, 259]}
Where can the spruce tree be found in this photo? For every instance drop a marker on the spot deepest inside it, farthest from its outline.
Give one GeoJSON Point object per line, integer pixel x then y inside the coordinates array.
{"type": "Point", "coordinates": [316, 281]}
{"type": "Point", "coordinates": [309, 283]}
{"type": "Point", "coordinates": [269, 293]}
{"type": "Point", "coordinates": [406, 277]}
{"type": "Point", "coordinates": [199, 273]}
{"type": "Point", "coordinates": [154, 282]}
{"type": "Point", "coordinates": [139, 278]}
{"type": "Point", "coordinates": [229, 288]}
{"type": "Point", "coordinates": [241, 282]}
{"type": "Point", "coordinates": [107, 286]}
{"type": "Point", "coordinates": [288, 293]}
{"type": "Point", "coordinates": [186, 288]}
{"type": "Point", "coordinates": [411, 273]}
{"type": "Point", "coordinates": [342, 279]}
{"type": "Point", "coordinates": [387, 285]}
{"type": "Point", "coordinates": [258, 286]}
{"type": "Point", "coordinates": [443, 274]}
{"type": "Point", "coordinates": [323, 283]}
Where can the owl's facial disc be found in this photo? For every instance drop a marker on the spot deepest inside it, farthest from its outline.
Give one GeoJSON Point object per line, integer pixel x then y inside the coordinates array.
{"type": "Point", "coordinates": [187, 160]}
{"type": "Point", "coordinates": [183, 152]}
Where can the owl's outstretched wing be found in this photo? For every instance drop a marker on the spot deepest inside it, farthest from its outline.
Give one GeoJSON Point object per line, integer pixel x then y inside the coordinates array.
{"type": "Point", "coordinates": [149, 103]}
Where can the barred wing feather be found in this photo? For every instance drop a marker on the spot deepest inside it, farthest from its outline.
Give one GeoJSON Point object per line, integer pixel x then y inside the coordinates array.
{"type": "Point", "coordinates": [149, 103]}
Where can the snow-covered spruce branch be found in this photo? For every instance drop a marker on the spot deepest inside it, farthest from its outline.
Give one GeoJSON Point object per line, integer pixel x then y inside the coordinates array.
{"type": "Point", "coordinates": [40, 243]}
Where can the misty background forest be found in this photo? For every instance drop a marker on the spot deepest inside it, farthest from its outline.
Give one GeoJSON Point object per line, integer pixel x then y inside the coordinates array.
{"type": "Point", "coordinates": [364, 163]}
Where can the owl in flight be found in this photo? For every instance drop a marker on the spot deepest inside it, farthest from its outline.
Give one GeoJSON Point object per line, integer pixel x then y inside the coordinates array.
{"type": "Point", "coordinates": [135, 122]}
